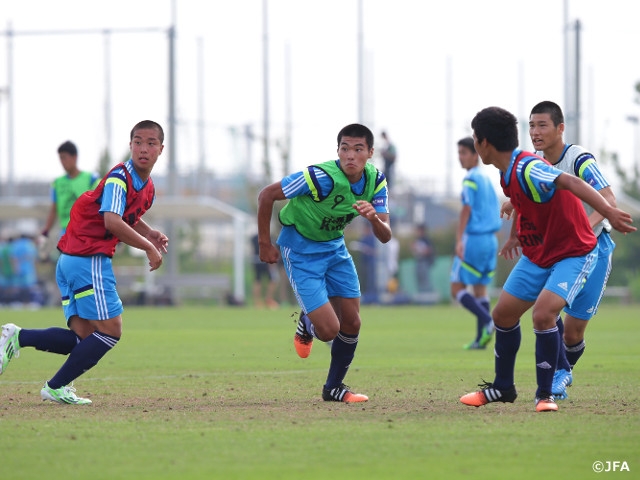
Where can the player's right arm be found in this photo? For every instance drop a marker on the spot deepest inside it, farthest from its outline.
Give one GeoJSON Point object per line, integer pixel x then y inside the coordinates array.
{"type": "Point", "coordinates": [619, 219]}
{"type": "Point", "coordinates": [266, 198]}
{"type": "Point", "coordinates": [465, 214]}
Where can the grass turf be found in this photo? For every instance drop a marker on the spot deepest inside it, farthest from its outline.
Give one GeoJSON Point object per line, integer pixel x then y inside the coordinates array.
{"type": "Point", "coordinates": [220, 393]}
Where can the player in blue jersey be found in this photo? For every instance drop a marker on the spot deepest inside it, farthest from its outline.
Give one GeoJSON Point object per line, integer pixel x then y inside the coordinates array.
{"type": "Point", "coordinates": [323, 199]}
{"type": "Point", "coordinates": [546, 128]}
{"type": "Point", "coordinates": [476, 248]}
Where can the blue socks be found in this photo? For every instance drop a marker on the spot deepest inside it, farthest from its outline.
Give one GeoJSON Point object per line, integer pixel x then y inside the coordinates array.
{"type": "Point", "coordinates": [84, 356]}
{"type": "Point", "coordinates": [54, 340]}
{"type": "Point", "coordinates": [506, 348]}
{"type": "Point", "coordinates": [476, 307]}
{"type": "Point", "coordinates": [547, 347]}
{"type": "Point", "coordinates": [307, 325]}
{"type": "Point", "coordinates": [573, 353]}
{"type": "Point", "coordinates": [563, 363]}
{"type": "Point", "coordinates": [343, 350]}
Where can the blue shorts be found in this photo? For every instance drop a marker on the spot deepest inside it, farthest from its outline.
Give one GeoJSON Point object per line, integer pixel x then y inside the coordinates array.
{"type": "Point", "coordinates": [480, 260]}
{"type": "Point", "coordinates": [88, 287]}
{"type": "Point", "coordinates": [565, 278]}
{"type": "Point", "coordinates": [588, 300]}
{"type": "Point", "coordinates": [316, 277]}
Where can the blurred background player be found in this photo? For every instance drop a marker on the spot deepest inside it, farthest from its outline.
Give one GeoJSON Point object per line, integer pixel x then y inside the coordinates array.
{"type": "Point", "coordinates": [65, 190]}
{"type": "Point", "coordinates": [476, 251]}
{"type": "Point", "coordinates": [100, 219]}
{"type": "Point", "coordinates": [323, 200]}
{"type": "Point", "coordinates": [389, 155]}
{"type": "Point", "coordinates": [265, 279]}
{"type": "Point", "coordinates": [546, 128]}
{"type": "Point", "coordinates": [424, 254]}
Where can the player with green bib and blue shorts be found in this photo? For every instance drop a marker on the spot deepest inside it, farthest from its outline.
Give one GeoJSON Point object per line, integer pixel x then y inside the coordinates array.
{"type": "Point", "coordinates": [323, 200]}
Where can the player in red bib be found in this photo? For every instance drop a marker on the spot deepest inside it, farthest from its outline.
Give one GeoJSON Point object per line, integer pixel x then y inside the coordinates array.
{"type": "Point", "coordinates": [99, 220]}
{"type": "Point", "coordinates": [558, 253]}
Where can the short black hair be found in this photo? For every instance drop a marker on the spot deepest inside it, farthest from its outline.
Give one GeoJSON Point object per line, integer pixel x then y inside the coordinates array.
{"type": "Point", "coordinates": [68, 147]}
{"type": "Point", "coordinates": [498, 126]}
{"type": "Point", "coordinates": [148, 124]}
{"type": "Point", "coordinates": [358, 131]}
{"type": "Point", "coordinates": [467, 142]}
{"type": "Point", "coordinates": [553, 109]}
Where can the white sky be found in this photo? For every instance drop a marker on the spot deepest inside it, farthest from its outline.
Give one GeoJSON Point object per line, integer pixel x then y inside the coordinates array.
{"type": "Point", "coordinates": [502, 52]}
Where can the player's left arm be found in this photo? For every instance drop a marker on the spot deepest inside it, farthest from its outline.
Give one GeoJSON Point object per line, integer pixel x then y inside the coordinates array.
{"type": "Point", "coordinates": [159, 239]}
{"type": "Point", "coordinates": [587, 169]}
{"type": "Point", "coordinates": [619, 219]}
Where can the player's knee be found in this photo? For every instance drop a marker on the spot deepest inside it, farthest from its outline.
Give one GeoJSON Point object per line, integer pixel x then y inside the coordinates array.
{"type": "Point", "coordinates": [326, 333]}
{"type": "Point", "coordinates": [544, 320]}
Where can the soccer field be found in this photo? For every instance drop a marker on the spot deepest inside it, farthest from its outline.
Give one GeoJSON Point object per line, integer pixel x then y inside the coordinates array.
{"type": "Point", "coordinates": [220, 393]}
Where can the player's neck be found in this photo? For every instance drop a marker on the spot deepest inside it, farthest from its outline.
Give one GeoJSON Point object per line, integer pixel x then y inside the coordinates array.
{"type": "Point", "coordinates": [553, 153]}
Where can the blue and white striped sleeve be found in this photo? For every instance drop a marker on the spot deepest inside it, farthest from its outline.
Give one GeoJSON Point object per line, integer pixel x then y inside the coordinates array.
{"type": "Point", "coordinates": [295, 185]}
{"type": "Point", "coordinates": [114, 196]}
{"type": "Point", "coordinates": [587, 169]}
{"type": "Point", "coordinates": [538, 179]}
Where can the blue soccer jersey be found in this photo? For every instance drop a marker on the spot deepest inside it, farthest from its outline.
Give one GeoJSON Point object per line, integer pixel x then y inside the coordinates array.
{"type": "Point", "coordinates": [479, 194]}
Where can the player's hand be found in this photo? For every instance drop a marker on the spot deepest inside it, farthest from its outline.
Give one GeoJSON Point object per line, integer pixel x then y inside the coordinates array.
{"type": "Point", "coordinates": [155, 258]}
{"type": "Point", "coordinates": [269, 253]}
{"type": "Point", "coordinates": [365, 209]}
{"type": "Point", "coordinates": [506, 210]}
{"type": "Point", "coordinates": [621, 221]}
{"type": "Point", "coordinates": [511, 249]}
{"type": "Point", "coordinates": [460, 250]}
{"type": "Point", "coordinates": [159, 240]}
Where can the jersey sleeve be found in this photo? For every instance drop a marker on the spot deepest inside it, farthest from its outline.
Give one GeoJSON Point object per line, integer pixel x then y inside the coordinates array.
{"type": "Point", "coordinates": [587, 169]}
{"type": "Point", "coordinates": [537, 179]}
{"type": "Point", "coordinates": [469, 188]}
{"type": "Point", "coordinates": [380, 200]}
{"type": "Point", "coordinates": [114, 195]}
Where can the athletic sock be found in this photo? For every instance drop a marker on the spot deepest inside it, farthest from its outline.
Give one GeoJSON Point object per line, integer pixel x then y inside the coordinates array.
{"type": "Point", "coordinates": [547, 346]}
{"type": "Point", "coordinates": [486, 304]}
{"type": "Point", "coordinates": [506, 349]}
{"type": "Point", "coordinates": [484, 301]}
{"type": "Point", "coordinates": [308, 326]}
{"type": "Point", "coordinates": [563, 363]}
{"type": "Point", "coordinates": [343, 350]}
{"type": "Point", "coordinates": [469, 302]}
{"type": "Point", "coordinates": [55, 340]}
{"type": "Point", "coordinates": [574, 352]}
{"type": "Point", "coordinates": [82, 358]}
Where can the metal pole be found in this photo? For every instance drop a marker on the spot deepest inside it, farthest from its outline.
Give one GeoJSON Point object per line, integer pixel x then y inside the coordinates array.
{"type": "Point", "coordinates": [10, 117]}
{"type": "Point", "coordinates": [578, 83]}
{"type": "Point", "coordinates": [172, 257]}
{"type": "Point", "coordinates": [265, 92]}
{"type": "Point", "coordinates": [107, 96]}
{"type": "Point", "coordinates": [201, 144]}
{"type": "Point", "coordinates": [360, 41]}
{"type": "Point", "coordinates": [449, 126]}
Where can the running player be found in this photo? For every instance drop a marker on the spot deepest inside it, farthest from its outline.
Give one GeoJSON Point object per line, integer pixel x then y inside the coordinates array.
{"type": "Point", "coordinates": [323, 199]}
{"type": "Point", "coordinates": [100, 219]}
{"type": "Point", "coordinates": [476, 249]}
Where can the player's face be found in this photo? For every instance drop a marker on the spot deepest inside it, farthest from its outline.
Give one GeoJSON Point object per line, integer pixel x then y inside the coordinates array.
{"type": "Point", "coordinates": [145, 150]}
{"type": "Point", "coordinates": [544, 134]}
{"type": "Point", "coordinates": [467, 158]}
{"type": "Point", "coordinates": [354, 154]}
{"type": "Point", "coordinates": [68, 161]}
{"type": "Point", "coordinates": [481, 149]}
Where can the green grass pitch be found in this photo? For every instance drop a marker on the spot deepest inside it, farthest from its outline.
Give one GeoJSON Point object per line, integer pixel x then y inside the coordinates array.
{"type": "Point", "coordinates": [220, 393]}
